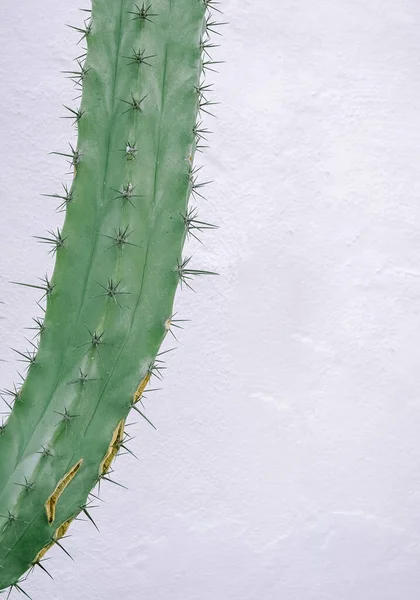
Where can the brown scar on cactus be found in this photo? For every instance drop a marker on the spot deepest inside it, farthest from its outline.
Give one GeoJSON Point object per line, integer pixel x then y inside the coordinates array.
{"type": "Point", "coordinates": [141, 387]}
{"type": "Point", "coordinates": [51, 503]}
{"type": "Point", "coordinates": [42, 553]}
{"type": "Point", "coordinates": [62, 530]}
{"type": "Point", "coordinates": [59, 533]}
{"type": "Point", "coordinates": [113, 448]}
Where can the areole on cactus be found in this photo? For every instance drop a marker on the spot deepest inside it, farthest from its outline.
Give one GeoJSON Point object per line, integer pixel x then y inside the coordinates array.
{"type": "Point", "coordinates": [119, 261]}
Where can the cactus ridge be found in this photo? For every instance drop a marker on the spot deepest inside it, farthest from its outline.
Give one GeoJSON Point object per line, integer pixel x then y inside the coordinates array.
{"type": "Point", "coordinates": [118, 263]}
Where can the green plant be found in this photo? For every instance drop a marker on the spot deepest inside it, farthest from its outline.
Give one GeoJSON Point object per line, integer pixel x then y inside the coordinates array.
{"type": "Point", "coordinates": [109, 304]}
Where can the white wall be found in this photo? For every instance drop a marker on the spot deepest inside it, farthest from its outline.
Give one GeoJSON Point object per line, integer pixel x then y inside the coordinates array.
{"type": "Point", "coordinates": [286, 465]}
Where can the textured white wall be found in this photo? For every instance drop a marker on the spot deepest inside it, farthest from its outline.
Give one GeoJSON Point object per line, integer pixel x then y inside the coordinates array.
{"type": "Point", "coordinates": [286, 462]}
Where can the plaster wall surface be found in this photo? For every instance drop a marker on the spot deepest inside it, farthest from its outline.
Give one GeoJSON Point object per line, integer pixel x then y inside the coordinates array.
{"type": "Point", "coordinates": [286, 465]}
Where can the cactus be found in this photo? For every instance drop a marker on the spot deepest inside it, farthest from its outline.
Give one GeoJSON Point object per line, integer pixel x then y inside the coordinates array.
{"type": "Point", "coordinates": [119, 261]}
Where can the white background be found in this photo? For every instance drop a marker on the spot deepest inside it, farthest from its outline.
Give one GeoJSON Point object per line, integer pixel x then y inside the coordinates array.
{"type": "Point", "coordinates": [286, 462]}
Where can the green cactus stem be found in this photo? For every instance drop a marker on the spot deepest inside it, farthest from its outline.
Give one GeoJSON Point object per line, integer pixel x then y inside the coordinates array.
{"type": "Point", "coordinates": [119, 261]}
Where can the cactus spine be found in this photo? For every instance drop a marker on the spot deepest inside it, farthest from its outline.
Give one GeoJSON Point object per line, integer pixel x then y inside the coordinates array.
{"type": "Point", "coordinates": [118, 264]}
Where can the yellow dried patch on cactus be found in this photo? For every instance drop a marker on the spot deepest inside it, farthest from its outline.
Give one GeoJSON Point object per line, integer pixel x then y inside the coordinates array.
{"type": "Point", "coordinates": [114, 446]}
{"type": "Point", "coordinates": [58, 534]}
{"type": "Point", "coordinates": [51, 503]}
{"type": "Point", "coordinates": [142, 386]}
{"type": "Point", "coordinates": [42, 553]}
{"type": "Point", "coordinates": [62, 530]}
